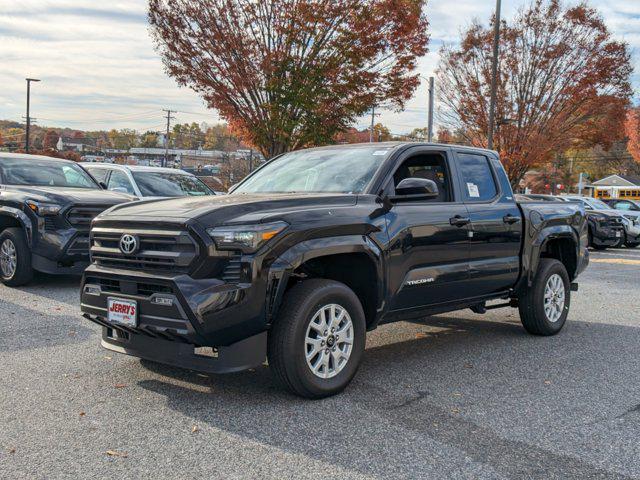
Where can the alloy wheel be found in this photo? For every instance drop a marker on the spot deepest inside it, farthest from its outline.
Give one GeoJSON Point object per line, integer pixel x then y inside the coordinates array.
{"type": "Point", "coordinates": [329, 341]}
{"type": "Point", "coordinates": [554, 298]}
{"type": "Point", "coordinates": [8, 258]}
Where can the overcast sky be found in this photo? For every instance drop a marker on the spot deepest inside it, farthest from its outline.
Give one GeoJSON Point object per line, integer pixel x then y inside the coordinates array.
{"type": "Point", "coordinates": [99, 69]}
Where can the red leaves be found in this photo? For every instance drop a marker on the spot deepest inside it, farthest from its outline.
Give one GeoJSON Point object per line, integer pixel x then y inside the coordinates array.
{"type": "Point", "coordinates": [632, 130]}
{"type": "Point", "coordinates": [289, 74]}
{"type": "Point", "coordinates": [562, 81]}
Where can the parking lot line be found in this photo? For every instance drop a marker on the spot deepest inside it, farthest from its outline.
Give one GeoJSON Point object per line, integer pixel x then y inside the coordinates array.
{"type": "Point", "coordinates": [624, 261]}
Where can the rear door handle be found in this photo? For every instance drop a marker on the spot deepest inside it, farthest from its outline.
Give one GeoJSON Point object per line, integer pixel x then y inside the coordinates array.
{"type": "Point", "coordinates": [459, 221]}
{"type": "Point", "coordinates": [510, 219]}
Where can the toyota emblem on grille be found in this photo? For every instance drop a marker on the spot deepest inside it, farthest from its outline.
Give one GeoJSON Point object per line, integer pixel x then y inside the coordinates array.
{"type": "Point", "coordinates": [128, 244]}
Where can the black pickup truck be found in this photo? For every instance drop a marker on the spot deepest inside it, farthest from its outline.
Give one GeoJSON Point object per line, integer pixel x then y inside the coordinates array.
{"type": "Point", "coordinates": [318, 246]}
{"type": "Point", "coordinates": [46, 208]}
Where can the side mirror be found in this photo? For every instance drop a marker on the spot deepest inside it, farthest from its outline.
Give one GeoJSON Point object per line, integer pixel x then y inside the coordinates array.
{"type": "Point", "coordinates": [415, 189]}
{"type": "Point", "coordinates": [103, 185]}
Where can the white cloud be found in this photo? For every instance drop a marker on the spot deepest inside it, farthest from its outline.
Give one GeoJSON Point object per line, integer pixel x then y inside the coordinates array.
{"type": "Point", "coordinates": [99, 69]}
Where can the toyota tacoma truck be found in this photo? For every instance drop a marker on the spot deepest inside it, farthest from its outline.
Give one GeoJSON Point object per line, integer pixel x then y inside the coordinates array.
{"type": "Point", "coordinates": [46, 208]}
{"type": "Point", "coordinates": [319, 246]}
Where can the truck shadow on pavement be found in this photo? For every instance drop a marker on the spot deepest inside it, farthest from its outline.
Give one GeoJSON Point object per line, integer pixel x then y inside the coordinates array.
{"type": "Point", "coordinates": [474, 398]}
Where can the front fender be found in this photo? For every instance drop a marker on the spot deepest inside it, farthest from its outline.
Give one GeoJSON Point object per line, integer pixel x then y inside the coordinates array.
{"type": "Point", "coordinates": [284, 266]}
{"type": "Point", "coordinates": [21, 217]}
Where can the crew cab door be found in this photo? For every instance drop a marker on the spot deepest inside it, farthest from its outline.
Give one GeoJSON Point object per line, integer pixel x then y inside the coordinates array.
{"type": "Point", "coordinates": [496, 223]}
{"type": "Point", "coordinates": [429, 248]}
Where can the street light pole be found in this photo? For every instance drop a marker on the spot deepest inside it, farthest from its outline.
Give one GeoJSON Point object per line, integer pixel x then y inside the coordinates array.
{"type": "Point", "coordinates": [430, 121]}
{"type": "Point", "coordinates": [494, 75]}
{"type": "Point", "coordinates": [26, 140]}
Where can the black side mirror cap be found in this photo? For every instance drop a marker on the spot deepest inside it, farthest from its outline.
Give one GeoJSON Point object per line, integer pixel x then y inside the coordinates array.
{"type": "Point", "coordinates": [103, 185]}
{"type": "Point", "coordinates": [415, 188]}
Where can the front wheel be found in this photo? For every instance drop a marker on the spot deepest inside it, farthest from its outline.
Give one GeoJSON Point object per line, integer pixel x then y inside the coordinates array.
{"type": "Point", "coordinates": [317, 341]}
{"type": "Point", "coordinates": [545, 305]}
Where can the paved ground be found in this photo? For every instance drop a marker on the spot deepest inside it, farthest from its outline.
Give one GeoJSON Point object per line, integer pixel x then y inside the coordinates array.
{"type": "Point", "coordinates": [457, 396]}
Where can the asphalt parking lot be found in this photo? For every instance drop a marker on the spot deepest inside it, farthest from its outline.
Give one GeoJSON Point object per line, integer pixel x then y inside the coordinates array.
{"type": "Point", "coordinates": [453, 396]}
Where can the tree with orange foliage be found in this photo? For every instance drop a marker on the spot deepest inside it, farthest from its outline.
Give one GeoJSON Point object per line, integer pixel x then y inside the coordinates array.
{"type": "Point", "coordinates": [632, 130]}
{"type": "Point", "coordinates": [563, 81]}
{"type": "Point", "coordinates": [50, 140]}
{"type": "Point", "coordinates": [286, 74]}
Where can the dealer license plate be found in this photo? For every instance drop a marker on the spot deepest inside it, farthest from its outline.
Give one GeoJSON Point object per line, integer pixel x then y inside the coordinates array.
{"type": "Point", "coordinates": [122, 312]}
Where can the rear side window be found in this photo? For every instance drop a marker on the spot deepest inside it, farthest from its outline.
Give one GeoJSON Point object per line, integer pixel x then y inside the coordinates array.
{"type": "Point", "coordinates": [477, 177]}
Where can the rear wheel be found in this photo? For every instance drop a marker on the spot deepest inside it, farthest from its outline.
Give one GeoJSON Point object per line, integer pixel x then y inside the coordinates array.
{"type": "Point", "coordinates": [15, 258]}
{"type": "Point", "coordinates": [317, 341]}
{"type": "Point", "coordinates": [545, 305]}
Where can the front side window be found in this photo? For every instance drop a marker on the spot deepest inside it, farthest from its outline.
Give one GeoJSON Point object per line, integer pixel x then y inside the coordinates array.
{"type": "Point", "coordinates": [100, 174]}
{"type": "Point", "coordinates": [430, 167]}
{"type": "Point", "coordinates": [332, 170]}
{"type": "Point", "coordinates": [163, 184]}
{"type": "Point", "coordinates": [478, 182]}
{"type": "Point", "coordinates": [44, 173]}
{"type": "Point", "coordinates": [119, 182]}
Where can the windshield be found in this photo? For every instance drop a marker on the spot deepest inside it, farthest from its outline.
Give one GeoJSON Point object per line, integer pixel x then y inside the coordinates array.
{"type": "Point", "coordinates": [44, 173]}
{"type": "Point", "coordinates": [339, 170]}
{"type": "Point", "coordinates": [166, 184]}
{"type": "Point", "coordinates": [598, 204]}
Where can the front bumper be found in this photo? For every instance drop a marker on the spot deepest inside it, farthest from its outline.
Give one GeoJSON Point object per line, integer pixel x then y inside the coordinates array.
{"type": "Point", "coordinates": [179, 308]}
{"type": "Point", "coordinates": [242, 355]}
{"type": "Point", "coordinates": [606, 236]}
{"type": "Point", "coordinates": [61, 252]}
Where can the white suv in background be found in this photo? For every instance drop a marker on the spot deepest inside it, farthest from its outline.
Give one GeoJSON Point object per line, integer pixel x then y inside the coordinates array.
{"type": "Point", "coordinates": [147, 182]}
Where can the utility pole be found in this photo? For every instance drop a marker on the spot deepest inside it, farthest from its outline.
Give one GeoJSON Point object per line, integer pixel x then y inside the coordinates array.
{"type": "Point", "coordinates": [250, 160]}
{"type": "Point", "coordinates": [494, 76]}
{"type": "Point", "coordinates": [580, 184]}
{"type": "Point", "coordinates": [166, 138]}
{"type": "Point", "coordinates": [430, 123]}
{"type": "Point", "coordinates": [373, 117]}
{"type": "Point", "coordinates": [26, 140]}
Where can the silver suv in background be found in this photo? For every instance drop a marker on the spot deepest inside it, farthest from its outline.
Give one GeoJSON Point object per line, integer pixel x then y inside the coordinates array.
{"type": "Point", "coordinates": [147, 182]}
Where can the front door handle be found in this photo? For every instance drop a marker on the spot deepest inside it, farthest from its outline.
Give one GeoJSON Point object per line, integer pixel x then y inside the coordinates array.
{"type": "Point", "coordinates": [459, 221]}
{"type": "Point", "coordinates": [510, 219]}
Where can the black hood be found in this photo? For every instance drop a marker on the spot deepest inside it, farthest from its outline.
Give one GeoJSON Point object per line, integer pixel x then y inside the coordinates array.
{"type": "Point", "coordinates": [224, 208]}
{"type": "Point", "coordinates": [76, 196]}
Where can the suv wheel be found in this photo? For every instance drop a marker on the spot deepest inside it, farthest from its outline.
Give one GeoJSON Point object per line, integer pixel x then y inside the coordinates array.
{"type": "Point", "coordinates": [15, 258]}
{"type": "Point", "coordinates": [316, 343]}
{"type": "Point", "coordinates": [544, 307]}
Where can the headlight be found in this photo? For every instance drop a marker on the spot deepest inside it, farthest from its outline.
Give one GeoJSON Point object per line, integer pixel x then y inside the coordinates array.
{"type": "Point", "coordinates": [43, 209]}
{"type": "Point", "coordinates": [248, 238]}
{"type": "Point", "coordinates": [600, 218]}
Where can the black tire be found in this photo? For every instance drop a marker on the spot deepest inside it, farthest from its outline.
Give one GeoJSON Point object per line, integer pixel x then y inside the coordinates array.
{"type": "Point", "coordinates": [287, 339]}
{"type": "Point", "coordinates": [23, 272]}
{"type": "Point", "coordinates": [532, 302]}
{"type": "Point", "coordinates": [598, 247]}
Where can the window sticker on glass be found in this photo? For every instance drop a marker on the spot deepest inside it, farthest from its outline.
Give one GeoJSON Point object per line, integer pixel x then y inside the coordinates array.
{"type": "Point", "coordinates": [472, 188]}
{"type": "Point", "coordinates": [380, 152]}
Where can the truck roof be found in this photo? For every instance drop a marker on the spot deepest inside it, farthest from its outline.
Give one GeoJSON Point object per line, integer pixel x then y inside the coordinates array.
{"type": "Point", "coordinates": [399, 144]}
{"type": "Point", "coordinates": [28, 156]}
{"type": "Point", "coordinates": [137, 168]}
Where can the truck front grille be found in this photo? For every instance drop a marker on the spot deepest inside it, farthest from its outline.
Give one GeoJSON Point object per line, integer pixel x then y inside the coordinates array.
{"type": "Point", "coordinates": [158, 249]}
{"type": "Point", "coordinates": [81, 216]}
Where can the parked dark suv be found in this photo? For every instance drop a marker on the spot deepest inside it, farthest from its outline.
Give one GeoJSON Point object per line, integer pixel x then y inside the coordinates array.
{"type": "Point", "coordinates": [46, 208]}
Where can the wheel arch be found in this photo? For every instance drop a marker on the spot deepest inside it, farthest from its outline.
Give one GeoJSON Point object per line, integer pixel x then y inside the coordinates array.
{"type": "Point", "coordinates": [12, 217]}
{"type": "Point", "coordinates": [354, 260]}
{"type": "Point", "coordinates": [560, 242]}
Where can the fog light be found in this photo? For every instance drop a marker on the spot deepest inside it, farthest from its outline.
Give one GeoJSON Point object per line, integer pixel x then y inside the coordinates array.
{"type": "Point", "coordinates": [164, 301]}
{"type": "Point", "coordinates": [92, 290]}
